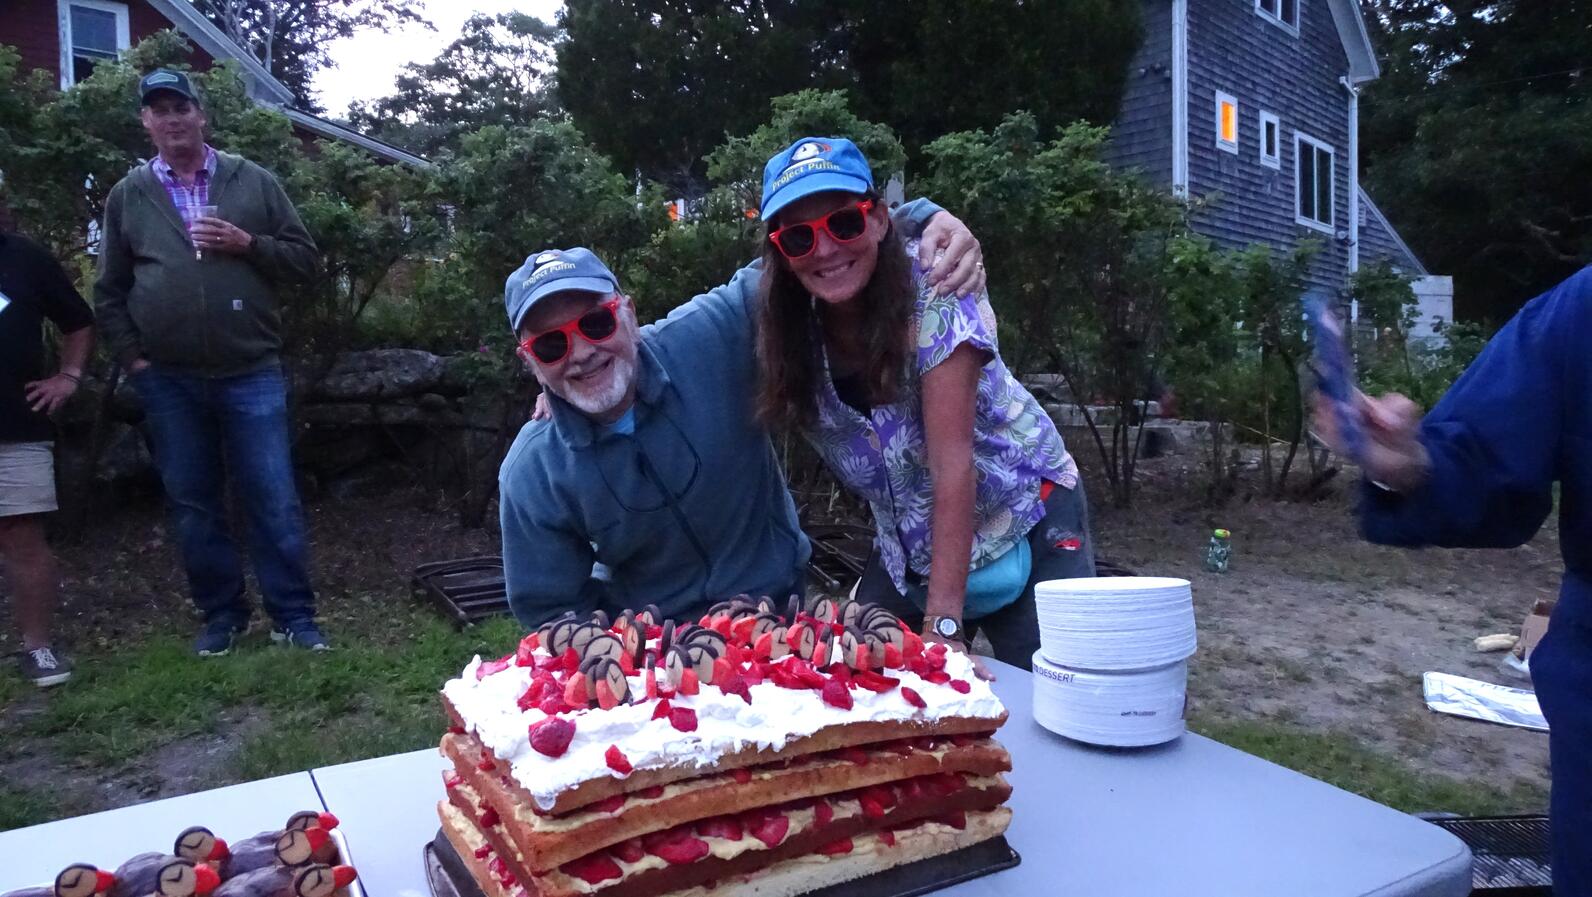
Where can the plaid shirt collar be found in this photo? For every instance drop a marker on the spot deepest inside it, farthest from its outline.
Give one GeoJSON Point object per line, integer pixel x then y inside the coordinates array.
{"type": "Point", "coordinates": [168, 176]}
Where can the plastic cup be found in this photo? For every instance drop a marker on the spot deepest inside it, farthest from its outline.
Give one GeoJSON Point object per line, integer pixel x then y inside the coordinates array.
{"type": "Point", "coordinates": [204, 212]}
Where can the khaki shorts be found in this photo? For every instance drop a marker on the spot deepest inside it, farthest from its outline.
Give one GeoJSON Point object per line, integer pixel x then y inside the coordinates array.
{"type": "Point", "coordinates": [27, 478]}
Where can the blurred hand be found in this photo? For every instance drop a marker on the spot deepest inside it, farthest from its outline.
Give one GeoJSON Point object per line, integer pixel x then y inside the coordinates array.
{"type": "Point", "coordinates": [960, 269]}
{"type": "Point", "coordinates": [221, 236]}
{"type": "Point", "coordinates": [47, 396]}
{"type": "Point", "coordinates": [1394, 455]}
{"type": "Point", "coordinates": [541, 411]}
{"type": "Point", "coordinates": [979, 669]}
{"type": "Point", "coordinates": [137, 365]}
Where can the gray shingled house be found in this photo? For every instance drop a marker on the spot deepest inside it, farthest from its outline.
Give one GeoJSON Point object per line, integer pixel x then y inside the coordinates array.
{"type": "Point", "coordinates": [1253, 105]}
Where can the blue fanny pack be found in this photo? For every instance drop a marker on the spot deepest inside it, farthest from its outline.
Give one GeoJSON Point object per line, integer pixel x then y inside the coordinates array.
{"type": "Point", "coordinates": [991, 587]}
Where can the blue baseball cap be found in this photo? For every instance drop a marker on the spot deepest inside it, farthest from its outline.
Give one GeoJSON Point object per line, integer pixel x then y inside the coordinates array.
{"type": "Point", "coordinates": [554, 271]}
{"type": "Point", "coordinates": [813, 165]}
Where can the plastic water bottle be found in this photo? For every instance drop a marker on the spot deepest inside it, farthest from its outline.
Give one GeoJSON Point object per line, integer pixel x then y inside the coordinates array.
{"type": "Point", "coordinates": [1219, 551]}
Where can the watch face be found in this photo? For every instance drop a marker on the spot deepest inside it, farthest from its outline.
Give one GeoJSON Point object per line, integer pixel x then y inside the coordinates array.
{"type": "Point", "coordinates": [945, 626]}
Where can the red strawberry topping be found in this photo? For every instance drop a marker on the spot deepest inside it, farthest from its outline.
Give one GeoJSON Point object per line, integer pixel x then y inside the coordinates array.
{"type": "Point", "coordinates": [823, 812]}
{"type": "Point", "coordinates": [771, 829]}
{"type": "Point", "coordinates": [607, 805]}
{"type": "Point", "coordinates": [683, 718]}
{"type": "Point", "coordinates": [488, 667]}
{"type": "Point", "coordinates": [605, 696]}
{"type": "Point", "coordinates": [662, 710]}
{"type": "Point", "coordinates": [887, 837]}
{"type": "Point", "coordinates": [652, 683]}
{"type": "Point", "coordinates": [486, 765]}
{"type": "Point", "coordinates": [733, 684]}
{"type": "Point", "coordinates": [680, 850]}
{"type": "Point", "coordinates": [892, 657]}
{"type": "Point", "coordinates": [570, 660]}
{"type": "Point", "coordinates": [938, 677]}
{"type": "Point", "coordinates": [552, 702]}
{"type": "Point", "coordinates": [742, 776]}
{"type": "Point", "coordinates": [525, 654]}
{"type": "Point", "coordinates": [835, 694]}
{"type": "Point", "coordinates": [875, 682]}
{"type": "Point", "coordinates": [656, 791]}
{"type": "Point", "coordinates": [688, 683]}
{"type": "Point", "coordinates": [551, 736]}
{"type": "Point", "coordinates": [912, 697]}
{"type": "Point", "coordinates": [593, 868]}
{"type": "Point", "coordinates": [961, 685]}
{"type": "Point", "coordinates": [617, 761]}
{"type": "Point", "coordinates": [855, 755]}
{"type": "Point", "coordinates": [484, 851]}
{"type": "Point", "coordinates": [575, 693]}
{"type": "Point", "coordinates": [956, 820]}
{"type": "Point", "coordinates": [489, 817]}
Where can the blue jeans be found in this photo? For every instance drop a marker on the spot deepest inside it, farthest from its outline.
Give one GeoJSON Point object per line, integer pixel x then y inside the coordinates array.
{"type": "Point", "coordinates": [202, 429]}
{"type": "Point", "coordinates": [1561, 667]}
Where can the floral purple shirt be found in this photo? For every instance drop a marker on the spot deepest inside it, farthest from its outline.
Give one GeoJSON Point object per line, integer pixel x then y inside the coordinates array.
{"type": "Point", "coordinates": [883, 456]}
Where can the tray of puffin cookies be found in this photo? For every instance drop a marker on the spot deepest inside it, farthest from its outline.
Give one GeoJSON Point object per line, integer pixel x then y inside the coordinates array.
{"type": "Point", "coordinates": [307, 857]}
{"type": "Point", "coordinates": [804, 749]}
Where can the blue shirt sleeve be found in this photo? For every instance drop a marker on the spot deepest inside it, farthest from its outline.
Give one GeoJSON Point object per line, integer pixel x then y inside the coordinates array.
{"type": "Point", "coordinates": [1496, 437]}
{"type": "Point", "coordinates": [546, 564]}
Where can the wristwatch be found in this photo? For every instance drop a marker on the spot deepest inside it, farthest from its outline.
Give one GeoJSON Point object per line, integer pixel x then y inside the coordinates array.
{"type": "Point", "coordinates": [948, 628]}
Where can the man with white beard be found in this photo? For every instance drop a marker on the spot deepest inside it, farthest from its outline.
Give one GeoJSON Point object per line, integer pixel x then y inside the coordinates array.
{"type": "Point", "coordinates": [651, 462]}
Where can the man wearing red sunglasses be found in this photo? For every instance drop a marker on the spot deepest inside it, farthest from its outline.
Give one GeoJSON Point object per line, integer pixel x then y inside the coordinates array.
{"type": "Point", "coordinates": [650, 468]}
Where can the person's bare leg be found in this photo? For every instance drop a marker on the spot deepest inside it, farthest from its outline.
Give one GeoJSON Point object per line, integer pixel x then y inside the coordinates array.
{"type": "Point", "coordinates": [30, 568]}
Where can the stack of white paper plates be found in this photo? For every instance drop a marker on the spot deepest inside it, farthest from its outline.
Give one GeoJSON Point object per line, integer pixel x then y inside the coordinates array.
{"type": "Point", "coordinates": [1115, 622]}
{"type": "Point", "coordinates": [1115, 709]}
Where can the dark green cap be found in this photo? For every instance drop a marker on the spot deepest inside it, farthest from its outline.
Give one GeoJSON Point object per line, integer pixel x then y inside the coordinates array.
{"type": "Point", "coordinates": [165, 79]}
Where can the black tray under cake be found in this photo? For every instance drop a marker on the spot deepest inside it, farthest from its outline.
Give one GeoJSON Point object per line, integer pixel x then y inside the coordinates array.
{"type": "Point", "coordinates": [449, 877]}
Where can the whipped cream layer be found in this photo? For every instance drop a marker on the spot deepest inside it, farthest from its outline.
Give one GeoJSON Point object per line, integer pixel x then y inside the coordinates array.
{"type": "Point", "coordinates": [725, 723]}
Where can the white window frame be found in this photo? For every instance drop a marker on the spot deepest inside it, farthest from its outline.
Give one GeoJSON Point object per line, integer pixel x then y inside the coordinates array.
{"type": "Point", "coordinates": [1273, 160]}
{"type": "Point", "coordinates": [1276, 17]}
{"type": "Point", "coordinates": [63, 14]}
{"type": "Point", "coordinates": [1221, 144]}
{"type": "Point", "coordinates": [1302, 140]}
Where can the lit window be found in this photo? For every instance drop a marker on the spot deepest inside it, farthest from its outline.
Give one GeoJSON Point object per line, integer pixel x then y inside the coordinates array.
{"type": "Point", "coordinates": [1283, 12]}
{"type": "Point", "coordinates": [1227, 122]}
{"type": "Point", "coordinates": [1313, 162]}
{"type": "Point", "coordinates": [92, 31]}
{"type": "Point", "coordinates": [1270, 141]}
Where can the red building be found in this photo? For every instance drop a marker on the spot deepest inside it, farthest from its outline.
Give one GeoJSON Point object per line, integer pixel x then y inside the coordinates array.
{"type": "Point", "coordinates": [69, 37]}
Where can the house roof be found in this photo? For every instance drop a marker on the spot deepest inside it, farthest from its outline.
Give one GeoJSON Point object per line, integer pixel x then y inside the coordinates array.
{"type": "Point", "coordinates": [1356, 40]}
{"type": "Point", "coordinates": [264, 88]}
{"type": "Point", "coordinates": [1380, 240]}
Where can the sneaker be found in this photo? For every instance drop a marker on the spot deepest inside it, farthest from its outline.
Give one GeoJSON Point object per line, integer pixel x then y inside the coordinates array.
{"type": "Point", "coordinates": [301, 634]}
{"type": "Point", "coordinates": [45, 667]}
{"type": "Point", "coordinates": [218, 637]}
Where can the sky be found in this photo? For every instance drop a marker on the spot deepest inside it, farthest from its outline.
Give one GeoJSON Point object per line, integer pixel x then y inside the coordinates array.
{"type": "Point", "coordinates": [367, 64]}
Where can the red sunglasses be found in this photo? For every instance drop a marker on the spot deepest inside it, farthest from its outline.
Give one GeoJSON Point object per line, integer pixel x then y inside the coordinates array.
{"type": "Point", "coordinates": [843, 225]}
{"type": "Point", "coordinates": [595, 326]}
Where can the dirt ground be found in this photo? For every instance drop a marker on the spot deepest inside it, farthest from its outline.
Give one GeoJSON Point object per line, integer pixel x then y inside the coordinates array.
{"type": "Point", "coordinates": [1310, 626]}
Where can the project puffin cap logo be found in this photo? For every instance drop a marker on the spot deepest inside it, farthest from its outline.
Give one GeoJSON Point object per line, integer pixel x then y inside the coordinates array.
{"type": "Point", "coordinates": [813, 165]}
{"type": "Point", "coordinates": [165, 79]}
{"type": "Point", "coordinates": [555, 271]}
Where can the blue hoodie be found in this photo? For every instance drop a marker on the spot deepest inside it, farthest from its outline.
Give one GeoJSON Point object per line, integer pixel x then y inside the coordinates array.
{"type": "Point", "coordinates": [689, 508]}
{"type": "Point", "coordinates": [1515, 423]}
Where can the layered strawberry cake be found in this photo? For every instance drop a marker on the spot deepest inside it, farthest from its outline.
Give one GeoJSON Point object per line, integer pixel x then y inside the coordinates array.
{"type": "Point", "coordinates": [775, 752]}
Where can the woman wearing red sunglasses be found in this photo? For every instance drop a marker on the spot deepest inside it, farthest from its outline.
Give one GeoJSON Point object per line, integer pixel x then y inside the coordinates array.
{"type": "Point", "coordinates": [903, 393]}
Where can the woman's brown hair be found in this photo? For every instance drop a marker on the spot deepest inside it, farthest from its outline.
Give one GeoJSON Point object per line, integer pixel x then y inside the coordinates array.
{"type": "Point", "coordinates": [789, 335]}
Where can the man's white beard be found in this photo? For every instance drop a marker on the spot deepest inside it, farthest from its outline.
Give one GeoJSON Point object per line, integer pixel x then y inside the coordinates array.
{"type": "Point", "coordinates": [598, 399]}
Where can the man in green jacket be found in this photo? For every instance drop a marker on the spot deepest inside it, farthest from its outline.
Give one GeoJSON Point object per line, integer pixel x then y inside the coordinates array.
{"type": "Point", "coordinates": [194, 247]}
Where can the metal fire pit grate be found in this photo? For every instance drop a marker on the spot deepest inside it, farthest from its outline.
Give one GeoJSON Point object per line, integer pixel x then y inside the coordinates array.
{"type": "Point", "coordinates": [468, 590]}
{"type": "Point", "coordinates": [1510, 853]}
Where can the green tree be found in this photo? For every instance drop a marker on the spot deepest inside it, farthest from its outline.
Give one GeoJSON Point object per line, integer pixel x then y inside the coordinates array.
{"type": "Point", "coordinates": [1478, 142]}
{"type": "Point", "coordinates": [491, 75]}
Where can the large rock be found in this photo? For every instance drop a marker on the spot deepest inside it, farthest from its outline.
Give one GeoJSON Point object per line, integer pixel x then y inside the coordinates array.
{"type": "Point", "coordinates": [380, 374]}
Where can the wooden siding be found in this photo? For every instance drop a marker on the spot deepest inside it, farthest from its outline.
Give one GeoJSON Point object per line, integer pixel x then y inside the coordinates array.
{"type": "Point", "coordinates": [1141, 137]}
{"type": "Point", "coordinates": [33, 27]}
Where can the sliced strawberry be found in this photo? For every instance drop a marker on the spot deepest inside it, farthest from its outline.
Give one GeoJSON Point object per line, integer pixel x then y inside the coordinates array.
{"type": "Point", "coordinates": [836, 694]}
{"type": "Point", "coordinates": [652, 683]}
{"type": "Point", "coordinates": [626, 664]}
{"type": "Point", "coordinates": [488, 667]}
{"type": "Point", "coordinates": [486, 765]}
{"type": "Point", "coordinates": [838, 670]}
{"type": "Point", "coordinates": [763, 648]}
{"type": "Point", "coordinates": [575, 693]}
{"type": "Point", "coordinates": [793, 635]}
{"type": "Point", "coordinates": [723, 625]}
{"type": "Point", "coordinates": [451, 779]}
{"type": "Point", "coordinates": [755, 673]}
{"type": "Point", "coordinates": [956, 820]}
{"type": "Point", "coordinates": [823, 812]}
{"type": "Point", "coordinates": [550, 663]}
{"type": "Point", "coordinates": [919, 665]}
{"type": "Point", "coordinates": [854, 754]}
{"type": "Point", "coordinates": [484, 851]}
{"type": "Point", "coordinates": [656, 791]}
{"type": "Point", "coordinates": [887, 837]}
{"type": "Point", "coordinates": [605, 696]}
{"type": "Point", "coordinates": [938, 648]}
{"type": "Point", "coordinates": [662, 710]}
{"type": "Point", "coordinates": [683, 718]}
{"type": "Point", "coordinates": [741, 776]}
{"type": "Point", "coordinates": [742, 629]}
{"type": "Point", "coordinates": [871, 808]}
{"type": "Point", "coordinates": [733, 684]}
{"type": "Point", "coordinates": [836, 848]}
{"type": "Point", "coordinates": [553, 702]}
{"type": "Point", "coordinates": [892, 657]}
{"type": "Point", "coordinates": [617, 761]}
{"type": "Point", "coordinates": [593, 868]}
{"type": "Point", "coordinates": [911, 644]}
{"type": "Point", "coordinates": [880, 794]}
{"type": "Point", "coordinates": [935, 661]}
{"type": "Point", "coordinates": [570, 660]}
{"type": "Point", "coordinates": [688, 683]}
{"type": "Point", "coordinates": [911, 789]}
{"type": "Point", "coordinates": [821, 654]}
{"type": "Point", "coordinates": [654, 631]}
{"type": "Point", "coordinates": [864, 658]}
{"type": "Point", "coordinates": [629, 851]}
{"type": "Point", "coordinates": [551, 736]}
{"type": "Point", "coordinates": [782, 675]}
{"type": "Point", "coordinates": [726, 827]}
{"type": "Point", "coordinates": [771, 829]}
{"type": "Point", "coordinates": [961, 685]}
{"type": "Point", "coordinates": [938, 677]}
{"type": "Point", "coordinates": [525, 654]}
{"type": "Point", "coordinates": [875, 682]}
{"type": "Point", "coordinates": [489, 817]}
{"type": "Point", "coordinates": [607, 805]}
{"type": "Point", "coordinates": [912, 697]}
{"type": "Point", "coordinates": [498, 868]}
{"type": "Point", "coordinates": [810, 675]}
{"type": "Point", "coordinates": [681, 851]}
{"type": "Point", "coordinates": [456, 730]}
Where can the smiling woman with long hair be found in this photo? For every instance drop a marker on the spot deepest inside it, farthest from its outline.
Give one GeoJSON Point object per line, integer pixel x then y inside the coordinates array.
{"type": "Point", "coordinates": [903, 393]}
